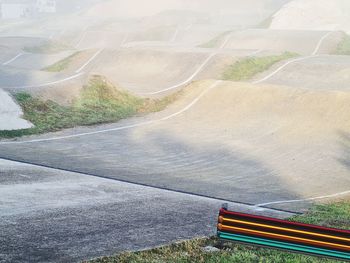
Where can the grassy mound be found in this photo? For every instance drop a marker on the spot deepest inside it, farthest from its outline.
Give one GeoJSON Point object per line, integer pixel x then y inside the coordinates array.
{"type": "Point", "coordinates": [335, 215]}
{"type": "Point", "coordinates": [99, 102]}
{"type": "Point", "coordinates": [344, 46]}
{"type": "Point", "coordinates": [62, 64]}
{"type": "Point", "coordinates": [247, 68]}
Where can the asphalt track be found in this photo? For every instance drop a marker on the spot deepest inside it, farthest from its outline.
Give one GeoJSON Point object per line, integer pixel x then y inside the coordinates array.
{"type": "Point", "coordinates": [69, 217]}
{"type": "Point", "coordinates": [305, 73]}
{"type": "Point", "coordinates": [216, 144]}
{"type": "Point", "coordinates": [116, 66]}
{"type": "Point", "coordinates": [301, 42]}
{"type": "Point", "coordinates": [182, 151]}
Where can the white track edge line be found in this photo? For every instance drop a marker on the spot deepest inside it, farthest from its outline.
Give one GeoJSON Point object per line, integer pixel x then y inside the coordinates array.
{"type": "Point", "coordinates": [89, 61]}
{"type": "Point", "coordinates": [50, 83]}
{"type": "Point", "coordinates": [320, 42]}
{"type": "Point", "coordinates": [13, 59]}
{"type": "Point", "coordinates": [314, 54]}
{"type": "Point", "coordinates": [280, 68]}
{"type": "Point", "coordinates": [306, 199]}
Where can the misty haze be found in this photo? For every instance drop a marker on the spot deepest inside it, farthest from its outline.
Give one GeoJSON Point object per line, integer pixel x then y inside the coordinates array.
{"type": "Point", "coordinates": [124, 125]}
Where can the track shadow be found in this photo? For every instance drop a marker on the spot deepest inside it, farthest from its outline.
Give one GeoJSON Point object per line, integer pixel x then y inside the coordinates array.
{"type": "Point", "coordinates": [162, 161]}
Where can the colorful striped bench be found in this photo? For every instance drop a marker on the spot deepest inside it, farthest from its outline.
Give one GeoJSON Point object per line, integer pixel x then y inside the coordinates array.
{"type": "Point", "coordinates": [282, 234]}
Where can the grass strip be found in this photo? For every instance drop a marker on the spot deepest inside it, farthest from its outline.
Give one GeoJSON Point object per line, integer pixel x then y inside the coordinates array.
{"type": "Point", "coordinates": [330, 215]}
{"type": "Point", "coordinates": [343, 47]}
{"type": "Point", "coordinates": [99, 102]}
{"type": "Point", "coordinates": [247, 68]}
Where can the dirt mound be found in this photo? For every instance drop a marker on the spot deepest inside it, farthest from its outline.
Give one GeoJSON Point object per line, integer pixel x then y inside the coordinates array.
{"type": "Point", "coordinates": [10, 114]}
{"type": "Point", "coordinates": [313, 15]}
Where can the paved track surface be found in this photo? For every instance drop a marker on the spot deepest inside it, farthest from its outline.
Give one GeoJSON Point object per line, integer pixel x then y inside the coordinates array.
{"type": "Point", "coordinates": [263, 145]}
{"type": "Point", "coordinates": [68, 217]}
{"type": "Point", "coordinates": [147, 71]}
{"type": "Point", "coordinates": [301, 42]}
{"type": "Point", "coordinates": [306, 73]}
{"type": "Point", "coordinates": [30, 61]}
{"type": "Point", "coordinates": [220, 140]}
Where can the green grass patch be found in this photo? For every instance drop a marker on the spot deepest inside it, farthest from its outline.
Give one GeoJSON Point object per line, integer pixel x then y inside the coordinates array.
{"type": "Point", "coordinates": [343, 47]}
{"type": "Point", "coordinates": [215, 42]}
{"type": "Point", "coordinates": [247, 68]}
{"type": "Point", "coordinates": [47, 48]}
{"type": "Point", "coordinates": [99, 102]}
{"type": "Point", "coordinates": [62, 64]}
{"type": "Point", "coordinates": [334, 215]}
